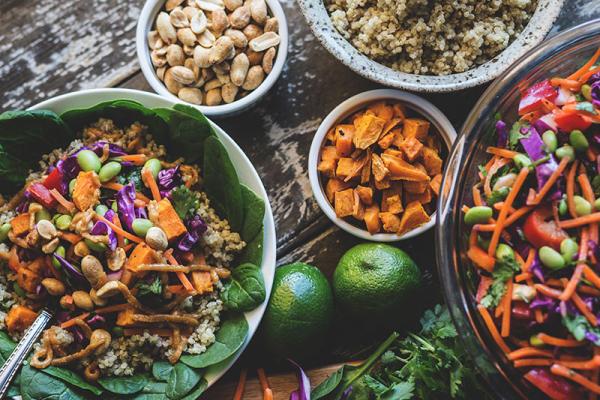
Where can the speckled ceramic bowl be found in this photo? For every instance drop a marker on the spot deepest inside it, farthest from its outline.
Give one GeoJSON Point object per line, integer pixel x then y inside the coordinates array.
{"type": "Point", "coordinates": [542, 20]}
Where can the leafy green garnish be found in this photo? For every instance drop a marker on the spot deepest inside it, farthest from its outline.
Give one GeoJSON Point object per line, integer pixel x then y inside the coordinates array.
{"type": "Point", "coordinates": [181, 381]}
{"type": "Point", "coordinates": [482, 170]}
{"type": "Point", "coordinates": [36, 385]}
{"type": "Point", "coordinates": [586, 106]}
{"type": "Point", "coordinates": [132, 174]}
{"type": "Point", "coordinates": [245, 290]}
{"type": "Point", "coordinates": [124, 384]}
{"type": "Point", "coordinates": [184, 201]}
{"type": "Point", "coordinates": [503, 271]}
{"type": "Point", "coordinates": [254, 212]}
{"type": "Point", "coordinates": [578, 325]}
{"type": "Point", "coordinates": [150, 288]}
{"type": "Point", "coordinates": [515, 134]}
{"type": "Point", "coordinates": [497, 196]}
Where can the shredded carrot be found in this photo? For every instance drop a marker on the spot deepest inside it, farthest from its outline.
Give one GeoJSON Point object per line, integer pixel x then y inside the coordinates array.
{"type": "Point", "coordinates": [262, 378]}
{"type": "Point", "coordinates": [71, 322]}
{"type": "Point", "coordinates": [182, 277]}
{"type": "Point", "coordinates": [120, 238]}
{"type": "Point", "coordinates": [477, 196]}
{"type": "Point", "coordinates": [481, 258]}
{"type": "Point", "coordinates": [239, 390]}
{"type": "Point", "coordinates": [580, 221]}
{"type": "Point", "coordinates": [582, 307]}
{"type": "Point", "coordinates": [566, 83]}
{"type": "Point", "coordinates": [150, 182]}
{"type": "Point", "coordinates": [70, 237]}
{"type": "Point", "coordinates": [501, 152]}
{"type": "Point", "coordinates": [69, 206]}
{"type": "Point", "coordinates": [554, 341]}
{"type": "Point", "coordinates": [135, 159]}
{"type": "Point", "coordinates": [559, 370]}
{"type": "Point", "coordinates": [586, 67]}
{"type": "Point", "coordinates": [499, 163]}
{"type": "Point", "coordinates": [118, 230]}
{"type": "Point", "coordinates": [117, 186]}
{"type": "Point", "coordinates": [473, 238]}
{"type": "Point", "coordinates": [533, 362]}
{"type": "Point", "coordinates": [503, 213]}
{"type": "Point", "coordinates": [592, 363]}
{"type": "Point", "coordinates": [551, 181]}
{"type": "Point", "coordinates": [584, 78]}
{"type": "Point", "coordinates": [588, 194]}
{"type": "Point", "coordinates": [547, 291]}
{"type": "Point", "coordinates": [576, 276]}
{"type": "Point", "coordinates": [505, 327]}
{"type": "Point", "coordinates": [571, 189]}
{"type": "Point", "coordinates": [528, 352]}
{"type": "Point", "coordinates": [465, 209]}
{"type": "Point", "coordinates": [591, 276]}
{"type": "Point", "coordinates": [523, 277]}
{"type": "Point", "coordinates": [487, 318]}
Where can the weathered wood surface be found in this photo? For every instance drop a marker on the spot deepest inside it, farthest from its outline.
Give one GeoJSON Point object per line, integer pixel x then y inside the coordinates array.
{"type": "Point", "coordinates": [56, 46]}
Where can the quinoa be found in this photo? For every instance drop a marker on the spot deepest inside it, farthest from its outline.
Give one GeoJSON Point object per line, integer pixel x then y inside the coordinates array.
{"type": "Point", "coordinates": [430, 37]}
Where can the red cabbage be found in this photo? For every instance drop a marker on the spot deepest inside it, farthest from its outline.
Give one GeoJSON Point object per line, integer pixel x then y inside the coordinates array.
{"type": "Point", "coordinates": [596, 90]}
{"type": "Point", "coordinates": [545, 123]}
{"type": "Point", "coordinates": [125, 200]}
{"type": "Point", "coordinates": [169, 179]}
{"type": "Point", "coordinates": [96, 322]}
{"type": "Point", "coordinates": [502, 133]}
{"type": "Point", "coordinates": [536, 269]}
{"type": "Point", "coordinates": [195, 229]}
{"type": "Point", "coordinates": [75, 277]}
{"type": "Point", "coordinates": [303, 391]}
{"type": "Point", "coordinates": [113, 149]}
{"type": "Point", "coordinates": [595, 77]}
{"type": "Point", "coordinates": [102, 228]}
{"type": "Point", "coordinates": [114, 276]}
{"type": "Point", "coordinates": [534, 147]}
{"type": "Point", "coordinates": [140, 212]}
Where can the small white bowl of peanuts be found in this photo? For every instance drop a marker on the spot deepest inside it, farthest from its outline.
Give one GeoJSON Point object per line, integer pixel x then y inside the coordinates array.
{"type": "Point", "coordinates": [220, 56]}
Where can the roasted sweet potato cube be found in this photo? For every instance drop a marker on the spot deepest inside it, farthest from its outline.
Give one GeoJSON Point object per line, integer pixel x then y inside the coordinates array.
{"type": "Point", "coordinates": [414, 215]}
{"type": "Point", "coordinates": [343, 139]}
{"type": "Point", "coordinates": [435, 184]}
{"type": "Point", "coordinates": [433, 141]}
{"type": "Point", "coordinates": [125, 317]}
{"type": "Point", "coordinates": [328, 163]}
{"type": "Point", "coordinates": [19, 318]}
{"type": "Point", "coordinates": [358, 208]}
{"type": "Point", "coordinates": [334, 185]}
{"type": "Point", "coordinates": [169, 221]}
{"type": "Point", "coordinates": [411, 148]}
{"type": "Point", "coordinates": [432, 161]}
{"type": "Point", "coordinates": [20, 224]}
{"type": "Point", "coordinates": [365, 172]}
{"type": "Point", "coordinates": [386, 140]}
{"type": "Point", "coordinates": [401, 170]}
{"type": "Point", "coordinates": [28, 280]}
{"type": "Point", "coordinates": [382, 110]}
{"type": "Point", "coordinates": [415, 187]}
{"type": "Point", "coordinates": [371, 219]}
{"type": "Point", "coordinates": [399, 111]}
{"type": "Point", "coordinates": [384, 184]}
{"type": "Point", "coordinates": [416, 127]}
{"type": "Point", "coordinates": [394, 152]}
{"type": "Point", "coordinates": [202, 282]}
{"type": "Point", "coordinates": [38, 265]}
{"type": "Point", "coordinates": [398, 137]}
{"type": "Point", "coordinates": [391, 199]}
{"type": "Point", "coordinates": [348, 168]}
{"type": "Point", "coordinates": [330, 135]}
{"type": "Point", "coordinates": [86, 192]}
{"type": "Point", "coordinates": [368, 130]}
{"type": "Point", "coordinates": [141, 254]}
{"type": "Point", "coordinates": [365, 194]}
{"type": "Point", "coordinates": [344, 203]}
{"type": "Point", "coordinates": [380, 171]}
{"type": "Point", "coordinates": [423, 198]}
{"type": "Point", "coordinates": [391, 222]}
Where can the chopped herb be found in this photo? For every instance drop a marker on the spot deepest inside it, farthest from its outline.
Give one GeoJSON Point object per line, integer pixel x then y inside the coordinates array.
{"type": "Point", "coordinates": [150, 288]}
{"type": "Point", "coordinates": [515, 134]}
{"type": "Point", "coordinates": [503, 271]}
{"type": "Point", "coordinates": [482, 170]}
{"type": "Point", "coordinates": [132, 174]}
{"type": "Point", "coordinates": [581, 329]}
{"type": "Point", "coordinates": [184, 201]}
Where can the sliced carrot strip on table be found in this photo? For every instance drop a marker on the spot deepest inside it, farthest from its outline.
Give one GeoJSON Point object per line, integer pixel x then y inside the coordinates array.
{"type": "Point", "coordinates": [239, 390]}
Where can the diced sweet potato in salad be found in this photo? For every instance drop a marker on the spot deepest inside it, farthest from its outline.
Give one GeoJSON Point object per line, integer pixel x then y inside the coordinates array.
{"type": "Point", "coordinates": [382, 167]}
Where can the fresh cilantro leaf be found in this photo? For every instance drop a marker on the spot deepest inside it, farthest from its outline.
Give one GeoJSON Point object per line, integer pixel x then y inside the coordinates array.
{"type": "Point", "coordinates": [399, 391]}
{"type": "Point", "coordinates": [503, 271]}
{"type": "Point", "coordinates": [515, 134]}
{"type": "Point", "coordinates": [150, 288]}
{"type": "Point", "coordinates": [497, 196]}
{"type": "Point", "coordinates": [133, 174]}
{"type": "Point", "coordinates": [482, 170]}
{"type": "Point", "coordinates": [579, 326]}
{"type": "Point", "coordinates": [184, 201]}
{"type": "Point", "coordinates": [455, 381]}
{"type": "Point", "coordinates": [374, 385]}
{"type": "Point", "coordinates": [586, 106]}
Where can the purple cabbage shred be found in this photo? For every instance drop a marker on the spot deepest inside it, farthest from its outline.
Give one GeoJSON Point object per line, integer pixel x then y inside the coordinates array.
{"type": "Point", "coordinates": [303, 391]}
{"type": "Point", "coordinates": [168, 179]}
{"type": "Point", "coordinates": [502, 132]}
{"type": "Point", "coordinates": [195, 229]}
{"type": "Point", "coordinates": [125, 203]}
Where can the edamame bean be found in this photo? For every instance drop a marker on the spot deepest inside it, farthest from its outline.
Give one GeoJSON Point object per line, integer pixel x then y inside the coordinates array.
{"type": "Point", "coordinates": [114, 206]}
{"type": "Point", "coordinates": [550, 141]}
{"type": "Point", "coordinates": [503, 251]}
{"type": "Point", "coordinates": [565, 151]}
{"type": "Point", "coordinates": [109, 171]}
{"type": "Point", "coordinates": [154, 166]}
{"type": "Point", "coordinates": [20, 292]}
{"type": "Point", "coordinates": [582, 206]}
{"type": "Point", "coordinates": [4, 229]}
{"type": "Point", "coordinates": [141, 225]}
{"type": "Point", "coordinates": [597, 204]}
{"type": "Point", "coordinates": [71, 186]}
{"type": "Point", "coordinates": [63, 222]}
{"type": "Point", "coordinates": [562, 207]}
{"type": "Point", "coordinates": [551, 258]}
{"type": "Point", "coordinates": [535, 341]}
{"type": "Point", "coordinates": [586, 91]}
{"type": "Point", "coordinates": [60, 250]}
{"type": "Point", "coordinates": [97, 247]}
{"type": "Point", "coordinates": [88, 161]}
{"type": "Point", "coordinates": [568, 249]}
{"type": "Point", "coordinates": [521, 160]}
{"type": "Point", "coordinates": [101, 209]}
{"type": "Point", "coordinates": [478, 215]}
{"type": "Point", "coordinates": [42, 214]}
{"type": "Point", "coordinates": [117, 331]}
{"type": "Point", "coordinates": [578, 140]}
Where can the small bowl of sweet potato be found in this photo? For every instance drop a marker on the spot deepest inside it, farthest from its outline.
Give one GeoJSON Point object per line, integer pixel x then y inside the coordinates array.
{"type": "Point", "coordinates": [376, 163]}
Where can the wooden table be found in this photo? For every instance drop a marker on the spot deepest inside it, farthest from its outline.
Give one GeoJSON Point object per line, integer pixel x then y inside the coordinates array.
{"type": "Point", "coordinates": [52, 47]}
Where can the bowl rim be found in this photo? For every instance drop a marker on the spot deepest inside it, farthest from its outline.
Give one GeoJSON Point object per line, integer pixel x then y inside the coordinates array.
{"type": "Point", "coordinates": [540, 23]}
{"type": "Point", "coordinates": [144, 24]}
{"type": "Point", "coordinates": [246, 171]}
{"type": "Point", "coordinates": [343, 110]}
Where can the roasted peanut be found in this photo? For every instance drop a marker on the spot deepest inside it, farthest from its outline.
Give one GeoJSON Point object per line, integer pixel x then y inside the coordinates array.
{"type": "Point", "coordinates": [221, 50]}
{"type": "Point", "coordinates": [258, 11]}
{"type": "Point", "coordinates": [272, 25]}
{"type": "Point", "coordinates": [254, 78]}
{"type": "Point", "coordinates": [240, 17]}
{"type": "Point", "coordinates": [172, 85]}
{"type": "Point", "coordinates": [268, 60]}
{"type": "Point", "coordinates": [264, 41]}
{"type": "Point", "coordinates": [54, 287]}
{"type": "Point", "coordinates": [219, 21]}
{"type": "Point", "coordinates": [239, 69]}
{"type": "Point", "coordinates": [167, 32]}
{"type": "Point", "coordinates": [186, 36]}
{"type": "Point", "coordinates": [255, 58]}
{"type": "Point", "coordinates": [182, 75]}
{"type": "Point", "coordinates": [178, 18]}
{"type": "Point", "coordinates": [202, 57]}
{"type": "Point", "coordinates": [198, 22]}
{"type": "Point", "coordinates": [252, 31]}
{"type": "Point", "coordinates": [83, 300]}
{"type": "Point", "coordinates": [93, 271]}
{"type": "Point", "coordinates": [191, 95]}
{"type": "Point", "coordinates": [232, 4]}
{"type": "Point", "coordinates": [175, 55]}
{"type": "Point", "coordinates": [228, 92]}
{"type": "Point", "coordinates": [213, 97]}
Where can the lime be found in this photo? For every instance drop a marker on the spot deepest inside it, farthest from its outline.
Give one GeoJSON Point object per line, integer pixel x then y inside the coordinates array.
{"type": "Point", "coordinates": [374, 280]}
{"type": "Point", "coordinates": [299, 312]}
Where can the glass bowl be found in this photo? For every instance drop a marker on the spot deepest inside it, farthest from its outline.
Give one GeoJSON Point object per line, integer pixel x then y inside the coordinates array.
{"type": "Point", "coordinates": [559, 56]}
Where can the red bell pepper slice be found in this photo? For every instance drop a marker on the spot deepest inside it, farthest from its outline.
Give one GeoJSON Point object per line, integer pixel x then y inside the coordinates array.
{"type": "Point", "coordinates": [54, 180]}
{"type": "Point", "coordinates": [534, 96]}
{"type": "Point", "coordinates": [570, 120]}
{"type": "Point", "coordinates": [42, 195]}
{"type": "Point", "coordinates": [553, 386]}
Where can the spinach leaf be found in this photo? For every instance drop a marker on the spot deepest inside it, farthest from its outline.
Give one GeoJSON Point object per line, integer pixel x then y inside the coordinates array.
{"type": "Point", "coordinates": [221, 183]}
{"type": "Point", "coordinates": [36, 385]}
{"type": "Point", "coordinates": [72, 378]}
{"type": "Point", "coordinates": [182, 380]}
{"type": "Point", "coordinates": [253, 251]}
{"type": "Point", "coordinates": [7, 345]}
{"type": "Point", "coordinates": [188, 129]}
{"type": "Point", "coordinates": [342, 379]}
{"type": "Point", "coordinates": [124, 384]}
{"type": "Point", "coordinates": [122, 112]}
{"type": "Point", "coordinates": [198, 390]}
{"type": "Point", "coordinates": [13, 171]}
{"type": "Point", "coordinates": [152, 391]}
{"type": "Point", "coordinates": [184, 201]}
{"type": "Point", "coordinates": [161, 370]}
{"type": "Point", "coordinates": [245, 290]}
{"type": "Point", "coordinates": [228, 339]}
{"type": "Point", "coordinates": [254, 212]}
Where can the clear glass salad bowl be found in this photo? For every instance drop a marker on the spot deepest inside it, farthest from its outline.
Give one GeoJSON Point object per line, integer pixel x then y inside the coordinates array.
{"type": "Point", "coordinates": [559, 56]}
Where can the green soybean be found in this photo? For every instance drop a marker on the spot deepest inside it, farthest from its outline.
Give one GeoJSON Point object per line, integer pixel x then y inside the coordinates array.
{"type": "Point", "coordinates": [141, 225]}
{"type": "Point", "coordinates": [535, 341]}
{"type": "Point", "coordinates": [97, 247]}
{"type": "Point", "coordinates": [586, 91]}
{"type": "Point", "coordinates": [20, 292]}
{"type": "Point", "coordinates": [521, 160]}
{"type": "Point", "coordinates": [60, 250]}
{"type": "Point", "coordinates": [4, 229]}
{"type": "Point", "coordinates": [568, 248]}
{"type": "Point", "coordinates": [565, 151]}
{"type": "Point", "coordinates": [71, 186]}
{"type": "Point", "coordinates": [582, 206]}
{"type": "Point", "coordinates": [578, 140]}
{"type": "Point", "coordinates": [42, 214]}
{"type": "Point", "coordinates": [114, 206]}
{"type": "Point", "coordinates": [549, 138]}
{"type": "Point", "coordinates": [478, 215]}
{"type": "Point", "coordinates": [562, 207]}
{"type": "Point", "coordinates": [154, 166]}
{"type": "Point", "coordinates": [504, 251]}
{"type": "Point", "coordinates": [109, 171]}
{"type": "Point", "coordinates": [88, 161]}
{"type": "Point", "coordinates": [63, 222]}
{"type": "Point", "coordinates": [117, 331]}
{"type": "Point", "coordinates": [101, 209]}
{"type": "Point", "coordinates": [551, 258]}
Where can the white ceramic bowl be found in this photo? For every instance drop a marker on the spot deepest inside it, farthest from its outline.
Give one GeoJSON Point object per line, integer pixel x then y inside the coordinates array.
{"type": "Point", "coordinates": [145, 23]}
{"type": "Point", "coordinates": [345, 109]}
{"type": "Point", "coordinates": [244, 168]}
{"type": "Point", "coordinates": [539, 25]}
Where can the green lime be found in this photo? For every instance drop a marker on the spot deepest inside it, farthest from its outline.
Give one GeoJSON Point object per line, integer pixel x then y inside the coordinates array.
{"type": "Point", "coordinates": [374, 280]}
{"type": "Point", "coordinates": [299, 312]}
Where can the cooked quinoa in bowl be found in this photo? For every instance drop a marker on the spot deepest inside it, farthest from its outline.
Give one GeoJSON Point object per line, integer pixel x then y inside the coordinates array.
{"type": "Point", "coordinates": [141, 255]}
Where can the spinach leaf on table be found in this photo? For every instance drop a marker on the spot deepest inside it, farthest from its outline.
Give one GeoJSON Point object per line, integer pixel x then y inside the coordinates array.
{"type": "Point", "coordinates": [72, 378]}
{"type": "Point", "coordinates": [124, 384]}
{"type": "Point", "coordinates": [182, 380]}
{"type": "Point", "coordinates": [245, 290]}
{"type": "Point", "coordinates": [254, 212]}
{"type": "Point", "coordinates": [228, 339]}
{"type": "Point", "coordinates": [161, 370]}
{"type": "Point", "coordinates": [37, 385]}
{"type": "Point", "coordinates": [221, 183]}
